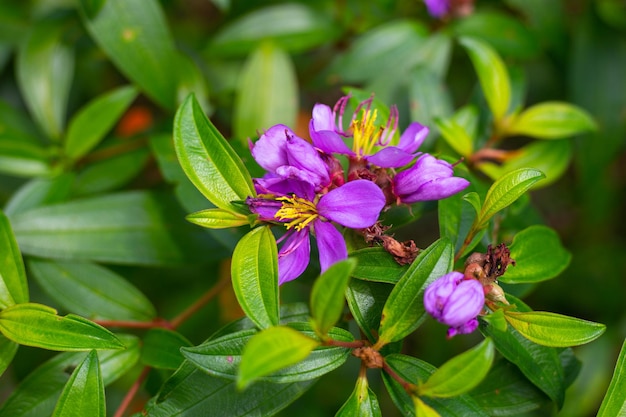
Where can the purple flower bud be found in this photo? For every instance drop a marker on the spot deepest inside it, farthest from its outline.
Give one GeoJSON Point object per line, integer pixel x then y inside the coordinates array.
{"type": "Point", "coordinates": [455, 301]}
{"type": "Point", "coordinates": [437, 8]}
{"type": "Point", "coordinates": [429, 179]}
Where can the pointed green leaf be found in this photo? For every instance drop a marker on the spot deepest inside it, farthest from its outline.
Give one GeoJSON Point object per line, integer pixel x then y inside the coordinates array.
{"type": "Point", "coordinates": [270, 350]}
{"type": "Point", "coordinates": [8, 349]}
{"type": "Point", "coordinates": [555, 330]}
{"type": "Point", "coordinates": [538, 254]}
{"type": "Point", "coordinates": [161, 348]}
{"type": "Point", "coordinates": [13, 285]}
{"type": "Point", "coordinates": [23, 159]}
{"type": "Point", "coordinates": [506, 190]}
{"type": "Point", "coordinates": [461, 373]}
{"type": "Point", "coordinates": [361, 403]}
{"type": "Point", "coordinates": [91, 290]}
{"type": "Point", "coordinates": [614, 402]}
{"type": "Point", "coordinates": [404, 309]}
{"type": "Point", "coordinates": [136, 38]}
{"type": "Point", "coordinates": [45, 68]}
{"type": "Point", "coordinates": [493, 76]}
{"type": "Point", "coordinates": [39, 326]}
{"type": "Point", "coordinates": [217, 219]}
{"type": "Point", "coordinates": [551, 120]}
{"type": "Point", "coordinates": [327, 295]}
{"type": "Point", "coordinates": [260, 105]}
{"type": "Point", "coordinates": [376, 264]}
{"type": "Point", "coordinates": [366, 300]}
{"type": "Point", "coordinates": [455, 136]}
{"type": "Point", "coordinates": [92, 122]}
{"type": "Point", "coordinates": [208, 160]}
{"type": "Point", "coordinates": [424, 410]}
{"type": "Point", "coordinates": [254, 272]}
{"type": "Point", "coordinates": [84, 392]}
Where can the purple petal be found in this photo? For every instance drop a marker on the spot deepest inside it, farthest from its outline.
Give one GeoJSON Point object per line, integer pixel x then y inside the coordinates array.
{"type": "Point", "coordinates": [329, 141]}
{"type": "Point", "coordinates": [437, 8]}
{"type": "Point", "coordinates": [303, 156]}
{"type": "Point", "coordinates": [464, 304]}
{"type": "Point", "coordinates": [413, 137]}
{"type": "Point", "coordinates": [266, 208]}
{"type": "Point", "coordinates": [437, 294]}
{"type": "Point", "coordinates": [270, 151]}
{"type": "Point", "coordinates": [391, 157]}
{"type": "Point", "coordinates": [279, 186]}
{"type": "Point", "coordinates": [330, 243]}
{"type": "Point", "coordinates": [356, 204]}
{"type": "Point", "coordinates": [294, 256]}
{"type": "Point", "coordinates": [466, 328]}
{"type": "Point", "coordinates": [438, 189]}
{"type": "Point", "coordinates": [323, 118]}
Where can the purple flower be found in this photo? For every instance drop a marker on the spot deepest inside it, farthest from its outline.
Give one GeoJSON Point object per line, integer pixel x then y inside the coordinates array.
{"type": "Point", "coordinates": [437, 8]}
{"type": "Point", "coordinates": [455, 301]}
{"type": "Point", "coordinates": [429, 179]}
{"type": "Point", "coordinates": [355, 204]}
{"type": "Point", "coordinates": [370, 142]}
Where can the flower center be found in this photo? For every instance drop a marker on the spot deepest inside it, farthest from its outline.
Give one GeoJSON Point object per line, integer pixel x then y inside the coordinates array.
{"type": "Point", "coordinates": [365, 133]}
{"type": "Point", "coordinates": [300, 211]}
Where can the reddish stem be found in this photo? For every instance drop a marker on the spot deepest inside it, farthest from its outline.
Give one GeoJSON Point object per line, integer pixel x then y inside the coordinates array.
{"type": "Point", "coordinates": [127, 324]}
{"type": "Point", "coordinates": [408, 387]}
{"type": "Point", "coordinates": [201, 302]}
{"type": "Point", "coordinates": [350, 345]}
{"type": "Point", "coordinates": [130, 395]}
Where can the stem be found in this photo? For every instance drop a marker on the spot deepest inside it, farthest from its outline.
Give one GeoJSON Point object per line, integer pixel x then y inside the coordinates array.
{"type": "Point", "coordinates": [130, 395]}
{"type": "Point", "coordinates": [201, 302]}
{"type": "Point", "coordinates": [350, 345]}
{"type": "Point", "coordinates": [408, 387]}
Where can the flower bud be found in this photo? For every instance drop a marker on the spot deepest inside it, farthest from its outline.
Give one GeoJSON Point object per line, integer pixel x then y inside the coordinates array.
{"type": "Point", "coordinates": [455, 301]}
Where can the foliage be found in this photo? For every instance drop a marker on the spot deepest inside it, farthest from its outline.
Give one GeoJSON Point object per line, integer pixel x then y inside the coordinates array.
{"type": "Point", "coordinates": [144, 240]}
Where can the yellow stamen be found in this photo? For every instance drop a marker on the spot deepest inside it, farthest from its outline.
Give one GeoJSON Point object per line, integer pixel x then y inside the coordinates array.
{"type": "Point", "coordinates": [301, 212]}
{"type": "Point", "coordinates": [365, 133]}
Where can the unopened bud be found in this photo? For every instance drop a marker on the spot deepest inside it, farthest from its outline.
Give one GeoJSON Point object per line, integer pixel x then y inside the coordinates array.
{"type": "Point", "coordinates": [495, 293]}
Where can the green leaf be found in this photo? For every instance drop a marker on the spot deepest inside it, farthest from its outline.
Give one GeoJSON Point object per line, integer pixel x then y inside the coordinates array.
{"type": "Point", "coordinates": [261, 105]}
{"type": "Point", "coordinates": [461, 373]}
{"type": "Point", "coordinates": [45, 68]}
{"type": "Point", "coordinates": [161, 348]}
{"type": "Point", "coordinates": [414, 371]}
{"type": "Point", "coordinates": [23, 159]}
{"type": "Point", "coordinates": [551, 120]}
{"type": "Point", "coordinates": [614, 402]}
{"type": "Point", "coordinates": [493, 76]}
{"type": "Point", "coordinates": [92, 122]}
{"type": "Point", "coordinates": [424, 410]}
{"type": "Point", "coordinates": [39, 326]}
{"type": "Point", "coordinates": [293, 27]}
{"type": "Point", "coordinates": [254, 271]}
{"type": "Point", "coordinates": [361, 403]}
{"type": "Point", "coordinates": [270, 350]}
{"type": "Point", "coordinates": [428, 97]}
{"type": "Point", "coordinates": [37, 394]}
{"type": "Point", "coordinates": [84, 392]}
{"type": "Point", "coordinates": [7, 352]}
{"type": "Point", "coordinates": [91, 290]}
{"type": "Point", "coordinates": [455, 136]}
{"type": "Point", "coordinates": [13, 284]}
{"type": "Point", "coordinates": [327, 295]}
{"type": "Point", "coordinates": [39, 192]}
{"type": "Point", "coordinates": [404, 309]}
{"type": "Point", "coordinates": [506, 190]}
{"type": "Point", "coordinates": [376, 264]}
{"type": "Point", "coordinates": [538, 255]}
{"type": "Point", "coordinates": [131, 228]}
{"type": "Point", "coordinates": [555, 330]}
{"type": "Point", "coordinates": [136, 38]}
{"type": "Point", "coordinates": [540, 364]}
{"type": "Point", "coordinates": [366, 300]}
{"type": "Point", "coordinates": [217, 219]}
{"type": "Point", "coordinates": [221, 355]}
{"type": "Point", "coordinates": [208, 160]}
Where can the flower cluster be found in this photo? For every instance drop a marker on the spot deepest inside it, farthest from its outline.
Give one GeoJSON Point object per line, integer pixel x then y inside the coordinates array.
{"type": "Point", "coordinates": [307, 190]}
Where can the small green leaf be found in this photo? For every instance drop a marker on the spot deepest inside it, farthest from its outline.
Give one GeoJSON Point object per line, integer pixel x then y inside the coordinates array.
{"type": "Point", "coordinates": [45, 69]}
{"type": "Point", "coordinates": [474, 199]}
{"type": "Point", "coordinates": [376, 264]}
{"type": "Point", "coordinates": [23, 159]}
{"type": "Point", "coordinates": [614, 402]}
{"type": "Point", "coordinates": [424, 410]}
{"type": "Point", "coordinates": [551, 120]}
{"type": "Point", "coordinates": [161, 348]}
{"type": "Point", "coordinates": [208, 160]}
{"type": "Point", "coordinates": [538, 255]}
{"type": "Point", "coordinates": [254, 272]}
{"type": "Point", "coordinates": [261, 105]}
{"type": "Point", "coordinates": [366, 300]}
{"type": "Point", "coordinates": [506, 190]}
{"type": "Point", "coordinates": [455, 136]}
{"type": "Point", "coordinates": [461, 373]}
{"type": "Point", "coordinates": [91, 123]}
{"type": "Point", "coordinates": [361, 403]}
{"type": "Point", "coordinates": [217, 219]}
{"type": "Point", "coordinates": [13, 284]}
{"type": "Point", "coordinates": [404, 309]}
{"type": "Point", "coordinates": [270, 350]}
{"type": "Point", "coordinates": [327, 295]}
{"type": "Point", "coordinates": [91, 290]}
{"type": "Point", "coordinates": [8, 349]}
{"type": "Point", "coordinates": [39, 326]}
{"type": "Point", "coordinates": [83, 394]}
{"type": "Point", "coordinates": [493, 76]}
{"type": "Point", "coordinates": [555, 330]}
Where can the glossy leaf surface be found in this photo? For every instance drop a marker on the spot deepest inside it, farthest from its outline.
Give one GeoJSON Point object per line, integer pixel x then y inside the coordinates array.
{"type": "Point", "coordinates": [376, 264]}
{"type": "Point", "coordinates": [13, 285]}
{"type": "Point", "coordinates": [551, 120]}
{"type": "Point", "coordinates": [614, 402]}
{"type": "Point", "coordinates": [161, 348]}
{"type": "Point", "coordinates": [217, 219]}
{"type": "Point", "coordinates": [361, 403]}
{"type": "Point", "coordinates": [327, 295]}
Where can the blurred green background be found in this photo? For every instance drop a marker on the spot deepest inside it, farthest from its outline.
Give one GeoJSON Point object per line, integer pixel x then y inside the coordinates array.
{"type": "Point", "coordinates": [256, 63]}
